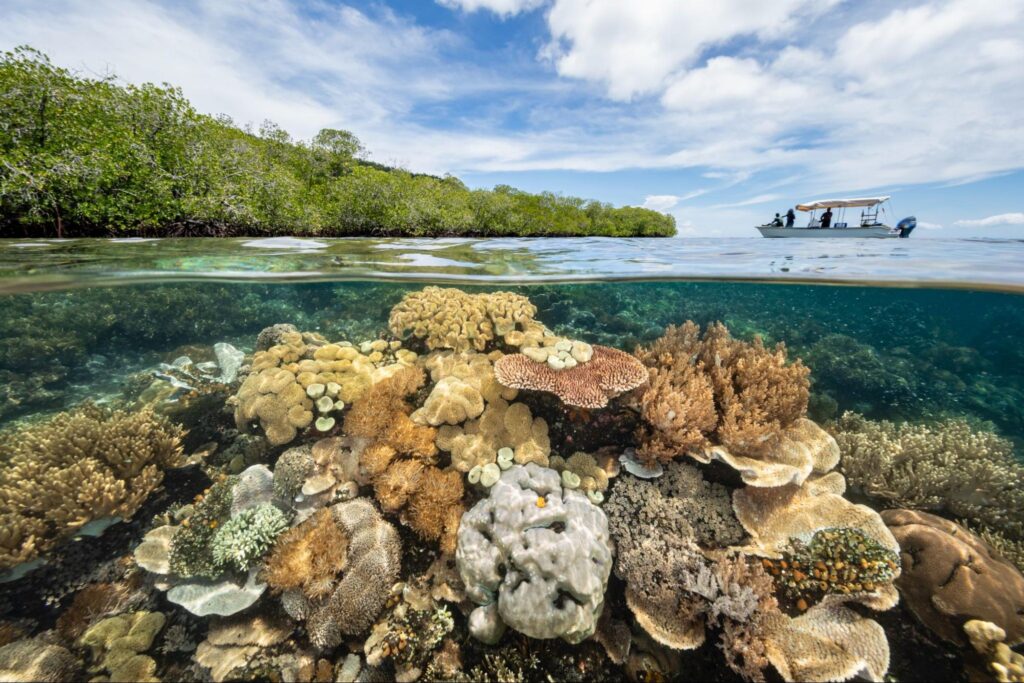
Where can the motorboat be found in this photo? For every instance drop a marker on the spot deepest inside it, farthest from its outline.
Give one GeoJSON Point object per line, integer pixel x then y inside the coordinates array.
{"type": "Point", "coordinates": [872, 220]}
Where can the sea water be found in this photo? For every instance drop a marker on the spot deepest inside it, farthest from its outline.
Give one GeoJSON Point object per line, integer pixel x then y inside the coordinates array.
{"type": "Point", "coordinates": [896, 334]}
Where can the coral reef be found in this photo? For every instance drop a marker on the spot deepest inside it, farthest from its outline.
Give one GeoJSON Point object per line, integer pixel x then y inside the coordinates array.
{"type": "Point", "coordinates": [58, 475]}
{"type": "Point", "coordinates": [987, 639]}
{"type": "Point", "coordinates": [448, 318]}
{"type": "Point", "coordinates": [370, 566]}
{"type": "Point", "coordinates": [951, 575]}
{"type": "Point", "coordinates": [118, 643]}
{"type": "Point", "coordinates": [535, 557]}
{"type": "Point", "coordinates": [712, 389]}
{"type": "Point", "coordinates": [287, 378]}
{"type": "Point", "coordinates": [241, 541]}
{"type": "Point", "coordinates": [607, 374]}
{"type": "Point", "coordinates": [501, 425]}
{"type": "Point", "coordinates": [947, 466]}
{"type": "Point", "coordinates": [36, 661]}
{"type": "Point", "coordinates": [408, 633]}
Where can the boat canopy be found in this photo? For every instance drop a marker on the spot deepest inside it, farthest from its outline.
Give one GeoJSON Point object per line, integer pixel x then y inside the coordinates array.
{"type": "Point", "coordinates": [840, 203]}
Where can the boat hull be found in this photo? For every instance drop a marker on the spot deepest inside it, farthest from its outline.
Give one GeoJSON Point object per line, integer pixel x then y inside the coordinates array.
{"type": "Point", "coordinates": [874, 231]}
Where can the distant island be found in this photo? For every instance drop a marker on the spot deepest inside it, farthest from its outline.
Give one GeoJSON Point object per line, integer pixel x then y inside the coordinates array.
{"type": "Point", "coordinates": [82, 157]}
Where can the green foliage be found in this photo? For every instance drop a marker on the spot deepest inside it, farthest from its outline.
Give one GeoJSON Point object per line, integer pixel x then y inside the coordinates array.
{"type": "Point", "coordinates": [82, 157]}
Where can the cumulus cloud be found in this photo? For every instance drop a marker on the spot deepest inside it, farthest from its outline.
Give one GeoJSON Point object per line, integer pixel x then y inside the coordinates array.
{"type": "Point", "coordinates": [660, 202]}
{"type": "Point", "coordinates": [503, 8]}
{"type": "Point", "coordinates": [1016, 218]}
{"type": "Point", "coordinates": [929, 226]}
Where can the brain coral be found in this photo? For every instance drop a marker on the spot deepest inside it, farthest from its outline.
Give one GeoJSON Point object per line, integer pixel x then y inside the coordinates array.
{"type": "Point", "coordinates": [534, 557]}
{"type": "Point", "coordinates": [608, 373]}
{"type": "Point", "coordinates": [59, 474]}
{"type": "Point", "coordinates": [951, 575]}
{"type": "Point", "coordinates": [712, 389]}
{"type": "Point", "coordinates": [349, 605]}
{"type": "Point", "coordinates": [447, 318]}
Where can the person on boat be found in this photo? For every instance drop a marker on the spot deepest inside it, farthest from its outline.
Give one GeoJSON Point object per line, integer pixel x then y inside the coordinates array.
{"type": "Point", "coordinates": [777, 221]}
{"type": "Point", "coordinates": [826, 218]}
{"type": "Point", "coordinates": [790, 218]}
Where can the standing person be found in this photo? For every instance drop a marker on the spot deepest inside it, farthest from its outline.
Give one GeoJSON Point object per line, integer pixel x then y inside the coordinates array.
{"type": "Point", "coordinates": [826, 218]}
{"type": "Point", "coordinates": [790, 218]}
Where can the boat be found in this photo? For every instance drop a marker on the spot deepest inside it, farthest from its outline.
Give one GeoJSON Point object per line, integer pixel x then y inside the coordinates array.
{"type": "Point", "coordinates": [871, 224]}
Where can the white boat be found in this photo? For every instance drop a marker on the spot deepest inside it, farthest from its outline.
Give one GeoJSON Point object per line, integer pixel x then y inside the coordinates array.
{"type": "Point", "coordinates": [871, 224]}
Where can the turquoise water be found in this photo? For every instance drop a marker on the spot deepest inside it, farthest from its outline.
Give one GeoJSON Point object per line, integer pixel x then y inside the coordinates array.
{"type": "Point", "coordinates": [914, 366]}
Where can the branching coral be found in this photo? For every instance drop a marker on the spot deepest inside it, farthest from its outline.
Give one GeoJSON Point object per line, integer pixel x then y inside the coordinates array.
{"type": "Point", "coordinates": [607, 374]}
{"type": "Point", "coordinates": [241, 541]}
{"type": "Point", "coordinates": [713, 389]}
{"type": "Point", "coordinates": [948, 466]}
{"type": "Point", "coordinates": [448, 318]}
{"type": "Point", "coordinates": [87, 464]}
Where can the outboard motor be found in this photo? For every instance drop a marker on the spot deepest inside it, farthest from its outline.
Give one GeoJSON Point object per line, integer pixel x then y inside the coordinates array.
{"type": "Point", "coordinates": [906, 226]}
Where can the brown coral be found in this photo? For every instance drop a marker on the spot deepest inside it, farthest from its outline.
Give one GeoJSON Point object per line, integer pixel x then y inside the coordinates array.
{"type": "Point", "coordinates": [436, 507]}
{"type": "Point", "coordinates": [308, 557]}
{"type": "Point", "coordinates": [754, 393]}
{"type": "Point", "coordinates": [448, 318]}
{"type": "Point", "coordinates": [607, 374]}
{"type": "Point", "coordinates": [951, 575]}
{"type": "Point", "coordinates": [87, 464]}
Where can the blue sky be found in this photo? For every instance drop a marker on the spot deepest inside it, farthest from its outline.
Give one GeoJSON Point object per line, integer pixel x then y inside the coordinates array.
{"type": "Point", "coordinates": [719, 113]}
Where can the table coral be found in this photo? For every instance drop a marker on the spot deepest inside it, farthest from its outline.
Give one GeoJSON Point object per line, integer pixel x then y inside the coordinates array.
{"type": "Point", "coordinates": [59, 474]}
{"type": "Point", "coordinates": [535, 557]}
{"type": "Point", "coordinates": [712, 389]}
{"type": "Point", "coordinates": [951, 575]}
{"type": "Point", "coordinates": [607, 374]}
{"type": "Point", "coordinates": [448, 318]}
{"type": "Point", "coordinates": [946, 466]}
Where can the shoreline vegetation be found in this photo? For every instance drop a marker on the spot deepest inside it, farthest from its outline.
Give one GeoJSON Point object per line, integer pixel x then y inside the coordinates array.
{"type": "Point", "coordinates": [83, 157]}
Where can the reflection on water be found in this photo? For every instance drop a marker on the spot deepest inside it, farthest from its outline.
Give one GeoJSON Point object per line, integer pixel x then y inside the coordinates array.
{"type": "Point", "coordinates": [306, 463]}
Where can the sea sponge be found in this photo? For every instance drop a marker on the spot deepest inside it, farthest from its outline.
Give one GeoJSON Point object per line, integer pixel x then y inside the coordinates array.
{"type": "Point", "coordinates": [448, 318]}
{"type": "Point", "coordinates": [754, 393]}
{"type": "Point", "coordinates": [607, 374]}
{"type": "Point", "coordinates": [949, 466]}
{"type": "Point", "coordinates": [951, 575]}
{"type": "Point", "coordinates": [59, 474]}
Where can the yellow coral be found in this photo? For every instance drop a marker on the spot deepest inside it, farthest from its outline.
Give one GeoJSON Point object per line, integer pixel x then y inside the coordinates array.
{"type": "Point", "coordinates": [87, 464]}
{"type": "Point", "coordinates": [500, 425]}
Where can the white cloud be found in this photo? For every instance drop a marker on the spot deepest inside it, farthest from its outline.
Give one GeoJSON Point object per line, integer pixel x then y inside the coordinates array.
{"type": "Point", "coordinates": [503, 8]}
{"type": "Point", "coordinates": [1016, 218]}
{"type": "Point", "coordinates": [929, 226]}
{"type": "Point", "coordinates": [660, 202]}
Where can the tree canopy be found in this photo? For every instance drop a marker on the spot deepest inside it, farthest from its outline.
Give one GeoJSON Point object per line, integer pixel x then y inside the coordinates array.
{"type": "Point", "coordinates": [93, 157]}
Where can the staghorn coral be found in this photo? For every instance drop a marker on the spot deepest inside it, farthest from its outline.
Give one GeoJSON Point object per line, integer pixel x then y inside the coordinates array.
{"type": "Point", "coordinates": [279, 392]}
{"type": "Point", "coordinates": [448, 318]}
{"type": "Point", "coordinates": [947, 466]}
{"type": "Point", "coordinates": [607, 374]}
{"type": "Point", "coordinates": [534, 556]}
{"type": "Point", "coordinates": [713, 389]}
{"type": "Point", "coordinates": [241, 541]}
{"type": "Point", "coordinates": [58, 475]}
{"type": "Point", "coordinates": [951, 575]}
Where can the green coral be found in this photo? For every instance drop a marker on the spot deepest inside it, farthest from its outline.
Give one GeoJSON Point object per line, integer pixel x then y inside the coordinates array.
{"type": "Point", "coordinates": [191, 552]}
{"type": "Point", "coordinates": [835, 560]}
{"type": "Point", "coordinates": [243, 540]}
{"type": "Point", "coordinates": [117, 644]}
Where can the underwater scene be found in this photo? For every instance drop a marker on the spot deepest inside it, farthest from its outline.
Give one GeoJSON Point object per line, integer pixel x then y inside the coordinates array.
{"type": "Point", "coordinates": [426, 479]}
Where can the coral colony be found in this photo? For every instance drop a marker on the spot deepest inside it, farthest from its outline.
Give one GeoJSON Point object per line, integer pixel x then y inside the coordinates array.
{"type": "Point", "coordinates": [416, 507]}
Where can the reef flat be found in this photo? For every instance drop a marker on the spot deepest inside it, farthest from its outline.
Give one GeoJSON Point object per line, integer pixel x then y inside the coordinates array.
{"type": "Point", "coordinates": [462, 485]}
